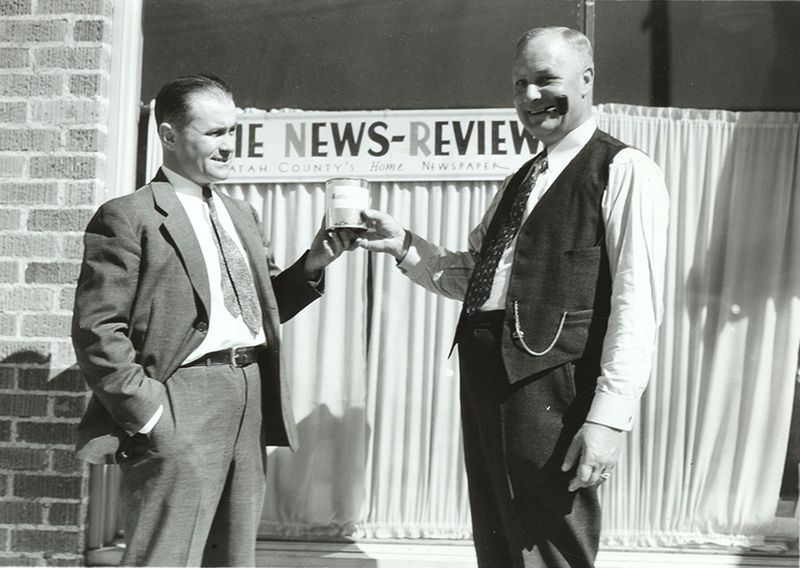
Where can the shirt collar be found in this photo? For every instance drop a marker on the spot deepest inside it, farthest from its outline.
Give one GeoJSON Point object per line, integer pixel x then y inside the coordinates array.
{"type": "Point", "coordinates": [562, 152]}
{"type": "Point", "coordinates": [181, 184]}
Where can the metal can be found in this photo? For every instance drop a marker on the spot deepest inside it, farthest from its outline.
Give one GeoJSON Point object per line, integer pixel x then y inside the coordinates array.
{"type": "Point", "coordinates": [345, 199]}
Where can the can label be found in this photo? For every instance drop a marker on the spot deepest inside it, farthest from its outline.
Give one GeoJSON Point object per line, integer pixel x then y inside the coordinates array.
{"type": "Point", "coordinates": [345, 199]}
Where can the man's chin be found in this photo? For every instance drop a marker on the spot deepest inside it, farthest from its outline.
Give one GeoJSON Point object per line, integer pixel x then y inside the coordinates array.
{"type": "Point", "coordinates": [220, 173]}
{"type": "Point", "coordinates": [546, 130]}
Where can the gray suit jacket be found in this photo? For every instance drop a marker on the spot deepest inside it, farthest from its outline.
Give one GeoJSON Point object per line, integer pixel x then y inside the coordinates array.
{"type": "Point", "coordinates": [142, 306]}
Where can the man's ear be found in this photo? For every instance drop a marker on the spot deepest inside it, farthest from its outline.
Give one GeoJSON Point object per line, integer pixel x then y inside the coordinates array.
{"type": "Point", "coordinates": [587, 81]}
{"type": "Point", "coordinates": [167, 135]}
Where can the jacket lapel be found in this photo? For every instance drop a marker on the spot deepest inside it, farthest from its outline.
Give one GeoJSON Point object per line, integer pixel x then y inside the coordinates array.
{"type": "Point", "coordinates": [179, 228]}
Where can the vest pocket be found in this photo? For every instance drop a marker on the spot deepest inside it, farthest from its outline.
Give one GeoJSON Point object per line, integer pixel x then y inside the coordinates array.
{"type": "Point", "coordinates": [569, 336]}
{"type": "Point", "coordinates": [581, 270]}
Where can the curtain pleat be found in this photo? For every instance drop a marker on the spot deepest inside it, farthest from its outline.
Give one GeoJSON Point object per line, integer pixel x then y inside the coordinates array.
{"type": "Point", "coordinates": [376, 395]}
{"type": "Point", "coordinates": [317, 491]}
{"type": "Point", "coordinates": [417, 486]}
{"type": "Point", "coordinates": [704, 464]}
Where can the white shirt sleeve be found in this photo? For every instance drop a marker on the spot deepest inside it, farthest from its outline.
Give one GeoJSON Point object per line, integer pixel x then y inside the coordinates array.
{"type": "Point", "coordinates": [147, 428]}
{"type": "Point", "coordinates": [443, 271]}
{"type": "Point", "coordinates": [635, 211]}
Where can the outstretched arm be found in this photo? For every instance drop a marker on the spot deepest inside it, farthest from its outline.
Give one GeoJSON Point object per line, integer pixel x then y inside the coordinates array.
{"type": "Point", "coordinates": [302, 282]}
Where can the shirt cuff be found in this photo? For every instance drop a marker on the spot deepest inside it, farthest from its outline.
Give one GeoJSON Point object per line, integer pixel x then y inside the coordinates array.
{"type": "Point", "coordinates": [412, 261]}
{"type": "Point", "coordinates": [319, 283]}
{"type": "Point", "coordinates": [147, 428]}
{"type": "Point", "coordinates": [315, 283]}
{"type": "Point", "coordinates": [613, 410]}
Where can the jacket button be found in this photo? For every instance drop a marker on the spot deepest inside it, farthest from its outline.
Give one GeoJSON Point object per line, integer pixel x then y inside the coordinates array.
{"type": "Point", "coordinates": [202, 327]}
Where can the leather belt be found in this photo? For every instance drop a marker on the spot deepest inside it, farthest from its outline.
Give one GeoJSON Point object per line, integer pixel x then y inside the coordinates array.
{"type": "Point", "coordinates": [235, 357]}
{"type": "Point", "coordinates": [494, 317]}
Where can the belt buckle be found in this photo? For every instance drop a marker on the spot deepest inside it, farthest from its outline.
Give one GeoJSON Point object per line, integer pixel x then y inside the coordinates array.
{"type": "Point", "coordinates": [242, 356]}
{"type": "Point", "coordinates": [234, 353]}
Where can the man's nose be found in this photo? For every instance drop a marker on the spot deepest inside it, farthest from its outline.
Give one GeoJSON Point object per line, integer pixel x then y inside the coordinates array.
{"type": "Point", "coordinates": [532, 93]}
{"type": "Point", "coordinates": [228, 142]}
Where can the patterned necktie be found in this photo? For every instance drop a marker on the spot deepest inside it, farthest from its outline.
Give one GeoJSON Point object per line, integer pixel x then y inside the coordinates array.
{"type": "Point", "coordinates": [238, 290]}
{"type": "Point", "coordinates": [480, 283]}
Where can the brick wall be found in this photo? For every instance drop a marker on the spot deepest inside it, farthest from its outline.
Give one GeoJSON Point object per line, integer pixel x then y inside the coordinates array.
{"type": "Point", "coordinates": [54, 76]}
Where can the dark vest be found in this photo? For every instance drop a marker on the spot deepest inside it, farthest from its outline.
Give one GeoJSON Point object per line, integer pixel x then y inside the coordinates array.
{"type": "Point", "coordinates": [559, 292]}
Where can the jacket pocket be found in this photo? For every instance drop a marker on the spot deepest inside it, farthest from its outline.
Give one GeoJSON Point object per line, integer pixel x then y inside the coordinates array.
{"type": "Point", "coordinates": [131, 447]}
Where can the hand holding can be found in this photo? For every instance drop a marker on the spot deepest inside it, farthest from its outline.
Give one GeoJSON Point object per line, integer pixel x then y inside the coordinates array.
{"type": "Point", "coordinates": [345, 199]}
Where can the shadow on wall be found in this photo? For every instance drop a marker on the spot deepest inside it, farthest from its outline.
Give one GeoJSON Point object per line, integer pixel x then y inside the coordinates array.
{"type": "Point", "coordinates": [741, 56]}
{"type": "Point", "coordinates": [42, 494]}
{"type": "Point", "coordinates": [319, 491]}
{"type": "Point", "coordinates": [740, 293]}
{"type": "Point", "coordinates": [785, 72]}
{"type": "Point", "coordinates": [34, 388]}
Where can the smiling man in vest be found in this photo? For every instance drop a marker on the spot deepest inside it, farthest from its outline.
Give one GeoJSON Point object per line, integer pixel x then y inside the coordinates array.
{"type": "Point", "coordinates": [562, 286]}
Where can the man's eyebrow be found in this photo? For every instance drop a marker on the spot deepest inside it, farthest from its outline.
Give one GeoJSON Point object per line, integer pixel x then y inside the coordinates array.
{"type": "Point", "coordinates": [215, 129]}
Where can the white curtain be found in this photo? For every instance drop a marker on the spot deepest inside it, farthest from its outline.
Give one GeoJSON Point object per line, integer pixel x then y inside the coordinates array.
{"type": "Point", "coordinates": [704, 464]}
{"type": "Point", "coordinates": [376, 395]}
{"type": "Point", "coordinates": [416, 481]}
{"type": "Point", "coordinates": [320, 489]}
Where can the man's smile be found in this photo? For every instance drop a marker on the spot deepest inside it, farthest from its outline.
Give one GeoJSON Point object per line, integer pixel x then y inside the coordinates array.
{"type": "Point", "coordinates": [541, 111]}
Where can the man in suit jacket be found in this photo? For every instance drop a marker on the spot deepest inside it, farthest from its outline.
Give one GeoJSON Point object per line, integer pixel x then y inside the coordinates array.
{"type": "Point", "coordinates": [562, 298]}
{"type": "Point", "coordinates": [184, 360]}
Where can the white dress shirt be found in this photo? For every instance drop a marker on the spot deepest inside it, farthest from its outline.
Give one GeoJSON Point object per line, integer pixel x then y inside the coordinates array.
{"type": "Point", "coordinates": [635, 208]}
{"type": "Point", "coordinates": [224, 329]}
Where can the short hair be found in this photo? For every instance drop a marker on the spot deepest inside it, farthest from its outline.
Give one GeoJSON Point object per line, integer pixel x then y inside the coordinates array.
{"type": "Point", "coordinates": [574, 38]}
{"type": "Point", "coordinates": [173, 102]}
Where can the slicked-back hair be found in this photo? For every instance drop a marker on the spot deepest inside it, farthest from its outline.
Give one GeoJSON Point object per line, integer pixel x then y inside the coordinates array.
{"type": "Point", "coordinates": [173, 102]}
{"type": "Point", "coordinates": [575, 39]}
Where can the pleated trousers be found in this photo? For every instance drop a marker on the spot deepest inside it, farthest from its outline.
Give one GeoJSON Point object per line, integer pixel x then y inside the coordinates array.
{"type": "Point", "coordinates": [515, 440]}
{"type": "Point", "coordinates": [192, 490]}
